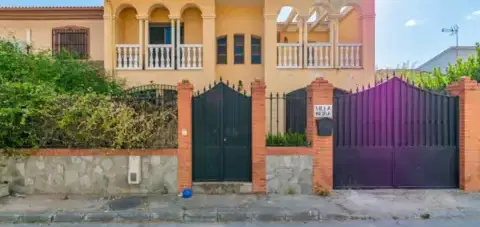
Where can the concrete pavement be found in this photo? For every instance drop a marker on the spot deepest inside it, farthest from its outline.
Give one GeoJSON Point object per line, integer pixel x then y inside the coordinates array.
{"type": "Point", "coordinates": [408, 223]}
{"type": "Point", "coordinates": [384, 205]}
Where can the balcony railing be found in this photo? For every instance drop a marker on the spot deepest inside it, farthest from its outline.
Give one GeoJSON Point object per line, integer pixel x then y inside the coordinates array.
{"type": "Point", "coordinates": [319, 55]}
{"type": "Point", "coordinates": [289, 55]}
{"type": "Point", "coordinates": [160, 56]}
{"type": "Point", "coordinates": [190, 56]}
{"type": "Point", "coordinates": [128, 56]}
{"type": "Point", "coordinates": [348, 55]}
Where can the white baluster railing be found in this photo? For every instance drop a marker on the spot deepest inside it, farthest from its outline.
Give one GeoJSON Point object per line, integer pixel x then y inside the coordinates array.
{"type": "Point", "coordinates": [191, 56]}
{"type": "Point", "coordinates": [128, 56]}
{"type": "Point", "coordinates": [348, 55]}
{"type": "Point", "coordinates": [320, 55]}
{"type": "Point", "coordinates": [289, 55]}
{"type": "Point", "coordinates": [160, 56]}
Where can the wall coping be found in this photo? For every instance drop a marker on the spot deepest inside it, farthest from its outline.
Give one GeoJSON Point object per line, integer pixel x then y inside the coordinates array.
{"type": "Point", "coordinates": [290, 151]}
{"type": "Point", "coordinates": [51, 13]}
{"type": "Point", "coordinates": [102, 152]}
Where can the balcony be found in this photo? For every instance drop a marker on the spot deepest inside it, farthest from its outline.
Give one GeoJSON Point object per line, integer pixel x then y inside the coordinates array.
{"type": "Point", "coordinates": [320, 40]}
{"type": "Point", "coordinates": [159, 41]}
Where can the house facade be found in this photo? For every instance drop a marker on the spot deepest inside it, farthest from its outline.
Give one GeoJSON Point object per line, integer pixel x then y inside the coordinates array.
{"type": "Point", "coordinates": [285, 43]}
{"type": "Point", "coordinates": [448, 56]}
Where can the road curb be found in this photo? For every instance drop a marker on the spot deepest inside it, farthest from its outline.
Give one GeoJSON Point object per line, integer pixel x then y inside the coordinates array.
{"type": "Point", "coordinates": [194, 216]}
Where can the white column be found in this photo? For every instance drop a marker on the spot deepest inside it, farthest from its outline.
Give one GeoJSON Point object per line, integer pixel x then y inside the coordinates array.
{"type": "Point", "coordinates": [174, 46]}
{"type": "Point", "coordinates": [331, 26]}
{"type": "Point", "coordinates": [141, 42]}
{"type": "Point", "coordinates": [178, 42]}
{"type": "Point", "coordinates": [334, 21]}
{"type": "Point", "coordinates": [147, 41]}
{"type": "Point", "coordinates": [300, 40]}
{"type": "Point", "coordinates": [305, 38]}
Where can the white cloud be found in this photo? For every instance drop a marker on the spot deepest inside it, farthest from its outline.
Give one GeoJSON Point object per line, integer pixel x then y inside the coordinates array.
{"type": "Point", "coordinates": [473, 15]}
{"type": "Point", "coordinates": [411, 23]}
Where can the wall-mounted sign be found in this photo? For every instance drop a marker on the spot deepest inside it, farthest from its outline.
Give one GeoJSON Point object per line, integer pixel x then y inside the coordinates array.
{"type": "Point", "coordinates": [323, 111]}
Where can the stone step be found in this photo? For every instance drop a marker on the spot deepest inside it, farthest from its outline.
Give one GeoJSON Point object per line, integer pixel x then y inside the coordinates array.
{"type": "Point", "coordinates": [215, 188]}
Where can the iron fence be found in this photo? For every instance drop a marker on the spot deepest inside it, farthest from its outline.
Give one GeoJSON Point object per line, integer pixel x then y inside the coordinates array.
{"type": "Point", "coordinates": [287, 112]}
{"type": "Point", "coordinates": [151, 96]}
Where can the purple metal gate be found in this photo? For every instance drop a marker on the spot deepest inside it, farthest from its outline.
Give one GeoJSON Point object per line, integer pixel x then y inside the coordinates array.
{"type": "Point", "coordinates": [396, 135]}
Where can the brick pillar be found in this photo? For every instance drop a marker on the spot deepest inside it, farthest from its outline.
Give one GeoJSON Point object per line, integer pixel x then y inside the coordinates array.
{"type": "Point", "coordinates": [320, 92]}
{"type": "Point", "coordinates": [468, 92]}
{"type": "Point", "coordinates": [259, 173]}
{"type": "Point", "coordinates": [184, 152]}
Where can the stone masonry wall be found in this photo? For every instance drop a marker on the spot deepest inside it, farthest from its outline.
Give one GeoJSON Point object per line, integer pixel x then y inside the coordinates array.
{"type": "Point", "coordinates": [101, 175]}
{"type": "Point", "coordinates": [289, 174]}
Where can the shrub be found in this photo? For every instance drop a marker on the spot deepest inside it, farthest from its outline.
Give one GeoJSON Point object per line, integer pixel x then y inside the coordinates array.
{"type": "Point", "coordinates": [97, 121]}
{"type": "Point", "coordinates": [287, 140]}
{"type": "Point", "coordinates": [62, 72]}
{"type": "Point", "coordinates": [58, 101]}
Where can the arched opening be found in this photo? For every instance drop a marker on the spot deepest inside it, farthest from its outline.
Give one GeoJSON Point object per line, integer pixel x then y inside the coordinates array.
{"type": "Point", "coordinates": [127, 38]}
{"type": "Point", "coordinates": [288, 38]}
{"type": "Point", "coordinates": [127, 26]}
{"type": "Point", "coordinates": [319, 38]}
{"type": "Point", "coordinates": [191, 38]}
{"type": "Point", "coordinates": [349, 46]}
{"type": "Point", "coordinates": [160, 38]}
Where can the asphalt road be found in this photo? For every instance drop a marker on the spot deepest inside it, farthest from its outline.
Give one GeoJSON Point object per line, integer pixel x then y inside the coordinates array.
{"type": "Point", "coordinates": [418, 223]}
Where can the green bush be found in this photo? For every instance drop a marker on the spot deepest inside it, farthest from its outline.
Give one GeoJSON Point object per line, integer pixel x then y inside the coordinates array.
{"type": "Point", "coordinates": [63, 73]}
{"type": "Point", "coordinates": [58, 101]}
{"type": "Point", "coordinates": [287, 140]}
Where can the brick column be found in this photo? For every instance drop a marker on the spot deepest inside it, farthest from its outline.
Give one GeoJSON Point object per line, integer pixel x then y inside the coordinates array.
{"type": "Point", "coordinates": [320, 92]}
{"type": "Point", "coordinates": [468, 92]}
{"type": "Point", "coordinates": [184, 152]}
{"type": "Point", "coordinates": [259, 173]}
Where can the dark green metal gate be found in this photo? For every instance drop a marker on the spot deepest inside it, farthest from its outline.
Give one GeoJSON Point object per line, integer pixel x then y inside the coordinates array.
{"type": "Point", "coordinates": [222, 132]}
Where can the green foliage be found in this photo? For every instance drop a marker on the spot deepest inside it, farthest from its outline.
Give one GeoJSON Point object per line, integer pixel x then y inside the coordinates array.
{"type": "Point", "coordinates": [438, 81]}
{"type": "Point", "coordinates": [58, 101]}
{"type": "Point", "coordinates": [97, 121]}
{"type": "Point", "coordinates": [62, 72]}
{"type": "Point", "coordinates": [288, 139]}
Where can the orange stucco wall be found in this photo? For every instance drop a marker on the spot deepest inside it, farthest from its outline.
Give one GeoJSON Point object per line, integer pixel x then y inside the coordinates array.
{"type": "Point", "coordinates": [127, 24]}
{"type": "Point", "coordinates": [349, 28]}
{"type": "Point", "coordinates": [204, 20]}
{"type": "Point", "coordinates": [312, 36]}
{"type": "Point", "coordinates": [193, 25]}
{"type": "Point", "coordinates": [239, 20]}
{"type": "Point", "coordinates": [41, 33]}
{"type": "Point", "coordinates": [127, 27]}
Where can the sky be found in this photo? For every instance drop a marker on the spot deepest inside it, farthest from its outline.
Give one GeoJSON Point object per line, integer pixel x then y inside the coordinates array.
{"type": "Point", "coordinates": [406, 30]}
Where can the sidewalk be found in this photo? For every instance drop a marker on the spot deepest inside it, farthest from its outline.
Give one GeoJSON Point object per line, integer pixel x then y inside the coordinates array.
{"type": "Point", "coordinates": [341, 205]}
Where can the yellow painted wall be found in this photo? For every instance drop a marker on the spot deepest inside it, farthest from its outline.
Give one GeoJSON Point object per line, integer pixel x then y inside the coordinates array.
{"type": "Point", "coordinates": [349, 28]}
{"type": "Point", "coordinates": [312, 36]}
{"type": "Point", "coordinates": [239, 20]}
{"type": "Point", "coordinates": [159, 15]}
{"type": "Point", "coordinates": [193, 26]}
{"type": "Point", "coordinates": [127, 27]}
{"type": "Point", "coordinates": [41, 33]}
{"type": "Point", "coordinates": [170, 77]}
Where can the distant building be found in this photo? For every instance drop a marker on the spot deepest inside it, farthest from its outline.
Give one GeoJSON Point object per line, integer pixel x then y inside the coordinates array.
{"type": "Point", "coordinates": [447, 56]}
